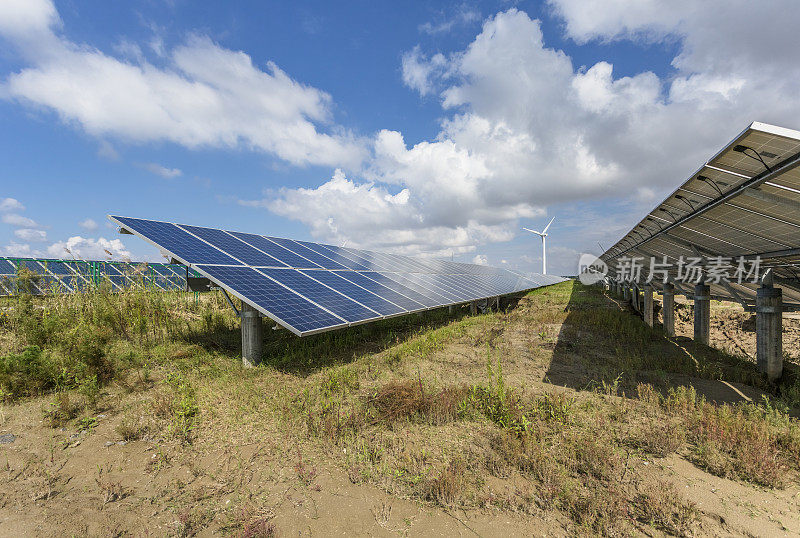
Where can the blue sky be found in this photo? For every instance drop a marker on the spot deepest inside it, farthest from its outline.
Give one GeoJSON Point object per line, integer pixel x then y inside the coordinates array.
{"type": "Point", "coordinates": [423, 128]}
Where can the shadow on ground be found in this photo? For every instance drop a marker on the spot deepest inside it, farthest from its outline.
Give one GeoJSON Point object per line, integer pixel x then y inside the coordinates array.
{"type": "Point", "coordinates": [304, 356]}
{"type": "Point", "coordinates": [604, 344]}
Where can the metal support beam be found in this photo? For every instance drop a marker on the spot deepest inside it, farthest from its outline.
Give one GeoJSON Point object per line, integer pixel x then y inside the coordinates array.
{"type": "Point", "coordinates": [647, 306]}
{"type": "Point", "coordinates": [702, 313]}
{"type": "Point", "coordinates": [668, 309]}
{"type": "Point", "coordinates": [473, 307]}
{"type": "Point", "coordinates": [769, 337]}
{"type": "Point", "coordinates": [252, 335]}
{"type": "Point", "coordinates": [785, 166]}
{"type": "Point", "coordinates": [228, 297]}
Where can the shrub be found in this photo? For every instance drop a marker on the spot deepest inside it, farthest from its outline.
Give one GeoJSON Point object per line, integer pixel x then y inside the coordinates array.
{"type": "Point", "coordinates": [26, 374]}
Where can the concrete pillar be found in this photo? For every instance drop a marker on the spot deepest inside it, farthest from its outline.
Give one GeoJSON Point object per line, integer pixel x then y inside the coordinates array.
{"type": "Point", "coordinates": [668, 309]}
{"type": "Point", "coordinates": [473, 307]}
{"type": "Point", "coordinates": [450, 309]}
{"type": "Point", "coordinates": [497, 303]}
{"type": "Point", "coordinates": [252, 335]}
{"type": "Point", "coordinates": [769, 337]}
{"type": "Point", "coordinates": [647, 306]}
{"type": "Point", "coordinates": [702, 313]}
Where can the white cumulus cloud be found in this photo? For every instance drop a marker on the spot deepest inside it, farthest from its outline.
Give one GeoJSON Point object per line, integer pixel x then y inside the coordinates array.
{"type": "Point", "coordinates": [10, 204]}
{"type": "Point", "coordinates": [15, 219]}
{"type": "Point", "coordinates": [89, 225]}
{"type": "Point", "coordinates": [163, 171]}
{"type": "Point", "coordinates": [203, 95]}
{"type": "Point", "coordinates": [86, 248]}
{"type": "Point", "coordinates": [30, 234]}
{"type": "Point", "coordinates": [524, 128]}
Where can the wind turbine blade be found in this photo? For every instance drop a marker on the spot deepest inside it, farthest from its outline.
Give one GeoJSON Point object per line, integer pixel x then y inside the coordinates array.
{"type": "Point", "coordinates": [532, 231]}
{"type": "Point", "coordinates": [548, 225]}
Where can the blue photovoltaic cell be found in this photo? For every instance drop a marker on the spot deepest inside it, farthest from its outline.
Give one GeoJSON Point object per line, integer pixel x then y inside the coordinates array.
{"type": "Point", "coordinates": [233, 246]}
{"type": "Point", "coordinates": [58, 268]}
{"type": "Point", "coordinates": [306, 252]}
{"type": "Point", "coordinates": [438, 296]}
{"type": "Point", "coordinates": [178, 242]}
{"type": "Point", "coordinates": [438, 283]}
{"type": "Point", "coordinates": [412, 293]}
{"type": "Point", "coordinates": [381, 290]}
{"type": "Point", "coordinates": [82, 268]}
{"type": "Point", "coordinates": [378, 304]}
{"type": "Point", "coordinates": [113, 269]}
{"type": "Point", "coordinates": [285, 305]}
{"type": "Point", "coordinates": [362, 258]}
{"type": "Point", "coordinates": [117, 280]}
{"type": "Point", "coordinates": [30, 264]}
{"type": "Point", "coordinates": [276, 251]}
{"type": "Point", "coordinates": [322, 295]}
{"type": "Point", "coordinates": [334, 254]}
{"type": "Point", "coordinates": [160, 270]}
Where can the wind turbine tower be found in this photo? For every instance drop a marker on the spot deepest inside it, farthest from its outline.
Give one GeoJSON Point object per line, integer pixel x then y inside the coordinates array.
{"type": "Point", "coordinates": [543, 235]}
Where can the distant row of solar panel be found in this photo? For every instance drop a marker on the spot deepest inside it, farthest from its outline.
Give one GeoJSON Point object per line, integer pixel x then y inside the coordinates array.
{"type": "Point", "coordinates": [310, 287]}
{"type": "Point", "coordinates": [68, 276]}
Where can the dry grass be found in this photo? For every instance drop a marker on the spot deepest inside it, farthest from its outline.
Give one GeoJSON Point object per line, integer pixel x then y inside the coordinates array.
{"type": "Point", "coordinates": [449, 410]}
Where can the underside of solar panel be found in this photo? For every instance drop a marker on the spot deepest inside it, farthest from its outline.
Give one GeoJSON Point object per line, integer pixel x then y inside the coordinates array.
{"type": "Point", "coordinates": [310, 287]}
{"type": "Point", "coordinates": [744, 203]}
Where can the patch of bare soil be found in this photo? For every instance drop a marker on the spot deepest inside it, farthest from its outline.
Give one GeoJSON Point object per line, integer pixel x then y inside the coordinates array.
{"type": "Point", "coordinates": [733, 330]}
{"type": "Point", "coordinates": [90, 482]}
{"type": "Point", "coordinates": [252, 467]}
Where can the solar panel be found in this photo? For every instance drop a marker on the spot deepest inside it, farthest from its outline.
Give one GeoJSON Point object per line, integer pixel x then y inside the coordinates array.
{"type": "Point", "coordinates": [744, 201]}
{"type": "Point", "coordinates": [182, 244]}
{"type": "Point", "coordinates": [328, 298]}
{"type": "Point", "coordinates": [310, 287]}
{"type": "Point", "coordinates": [277, 301]}
{"type": "Point", "coordinates": [307, 253]}
{"type": "Point", "coordinates": [286, 256]}
{"type": "Point", "coordinates": [357, 293]}
{"type": "Point", "coordinates": [337, 255]}
{"type": "Point", "coordinates": [234, 246]}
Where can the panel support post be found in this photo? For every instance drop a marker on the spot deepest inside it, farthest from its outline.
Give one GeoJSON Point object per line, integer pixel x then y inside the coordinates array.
{"type": "Point", "coordinates": [497, 304]}
{"type": "Point", "coordinates": [769, 344]}
{"type": "Point", "coordinates": [252, 335]}
{"type": "Point", "coordinates": [668, 309]}
{"type": "Point", "coordinates": [473, 307]}
{"type": "Point", "coordinates": [450, 309]}
{"type": "Point", "coordinates": [647, 307]}
{"type": "Point", "coordinates": [702, 313]}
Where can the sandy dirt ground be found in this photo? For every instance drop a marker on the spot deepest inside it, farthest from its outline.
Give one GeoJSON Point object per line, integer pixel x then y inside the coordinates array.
{"type": "Point", "coordinates": [74, 481]}
{"type": "Point", "coordinates": [734, 330]}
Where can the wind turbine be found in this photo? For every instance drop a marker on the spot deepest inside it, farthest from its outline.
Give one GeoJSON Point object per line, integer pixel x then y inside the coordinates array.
{"type": "Point", "coordinates": [543, 235]}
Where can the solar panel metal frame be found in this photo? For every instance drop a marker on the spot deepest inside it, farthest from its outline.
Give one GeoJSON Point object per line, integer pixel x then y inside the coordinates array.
{"type": "Point", "coordinates": [752, 210]}
{"type": "Point", "coordinates": [468, 272]}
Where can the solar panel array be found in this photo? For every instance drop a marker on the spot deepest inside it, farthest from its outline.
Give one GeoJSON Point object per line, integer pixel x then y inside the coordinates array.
{"type": "Point", "coordinates": [745, 201]}
{"type": "Point", "coordinates": [310, 287]}
{"type": "Point", "coordinates": [48, 276]}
